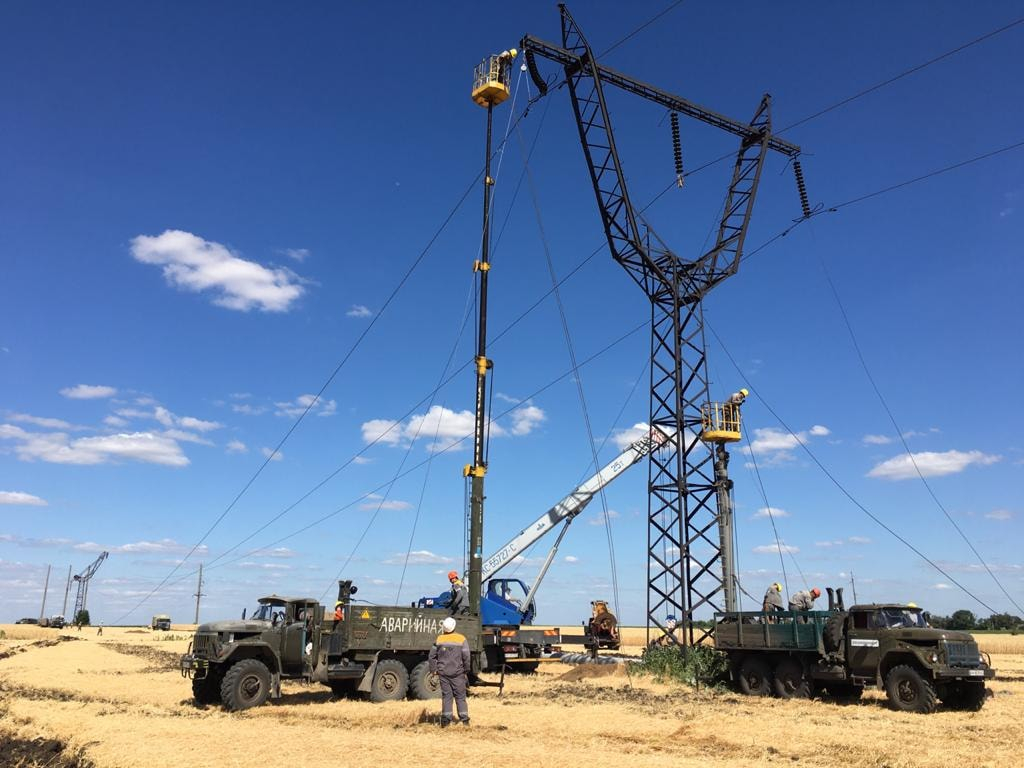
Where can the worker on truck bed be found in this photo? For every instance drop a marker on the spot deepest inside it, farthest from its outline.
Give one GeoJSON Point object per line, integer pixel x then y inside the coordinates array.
{"type": "Point", "coordinates": [449, 660]}
{"type": "Point", "coordinates": [804, 599]}
{"type": "Point", "coordinates": [459, 602]}
{"type": "Point", "coordinates": [773, 599]}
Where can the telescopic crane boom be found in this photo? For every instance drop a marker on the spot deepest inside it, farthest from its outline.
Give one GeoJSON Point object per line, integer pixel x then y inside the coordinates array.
{"type": "Point", "coordinates": [83, 583]}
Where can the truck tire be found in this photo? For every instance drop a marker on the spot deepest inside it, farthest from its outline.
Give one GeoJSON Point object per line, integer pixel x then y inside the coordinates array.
{"type": "Point", "coordinates": [966, 697]}
{"type": "Point", "coordinates": [207, 689]}
{"type": "Point", "coordinates": [791, 681]}
{"type": "Point", "coordinates": [390, 681]}
{"type": "Point", "coordinates": [245, 685]}
{"type": "Point", "coordinates": [908, 691]}
{"type": "Point", "coordinates": [423, 683]}
{"type": "Point", "coordinates": [832, 633]}
{"type": "Point", "coordinates": [755, 677]}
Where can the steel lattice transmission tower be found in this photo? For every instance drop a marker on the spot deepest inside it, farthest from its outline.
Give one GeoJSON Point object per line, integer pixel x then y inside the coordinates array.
{"type": "Point", "coordinates": [685, 545]}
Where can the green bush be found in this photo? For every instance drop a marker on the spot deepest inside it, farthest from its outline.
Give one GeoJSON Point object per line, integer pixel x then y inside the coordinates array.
{"type": "Point", "coordinates": [700, 665]}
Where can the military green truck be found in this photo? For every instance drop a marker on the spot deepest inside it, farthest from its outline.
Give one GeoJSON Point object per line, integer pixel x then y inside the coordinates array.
{"type": "Point", "coordinates": [376, 651]}
{"type": "Point", "coordinates": [160, 621]}
{"type": "Point", "coordinates": [839, 652]}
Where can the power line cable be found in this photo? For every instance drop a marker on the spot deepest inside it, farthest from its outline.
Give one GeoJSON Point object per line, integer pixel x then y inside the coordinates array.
{"type": "Point", "coordinates": [899, 431]}
{"type": "Point", "coordinates": [839, 485]}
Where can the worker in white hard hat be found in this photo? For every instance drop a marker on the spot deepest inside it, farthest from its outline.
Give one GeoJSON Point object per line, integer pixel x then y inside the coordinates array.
{"type": "Point", "coordinates": [449, 660]}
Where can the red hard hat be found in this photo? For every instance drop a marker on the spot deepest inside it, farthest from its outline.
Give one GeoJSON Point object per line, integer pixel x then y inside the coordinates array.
{"type": "Point", "coordinates": [815, 591]}
{"type": "Point", "coordinates": [452, 575]}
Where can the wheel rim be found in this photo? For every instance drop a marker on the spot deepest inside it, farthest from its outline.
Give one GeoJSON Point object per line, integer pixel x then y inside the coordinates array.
{"type": "Point", "coordinates": [251, 687]}
{"type": "Point", "coordinates": [388, 682]}
{"type": "Point", "coordinates": [907, 691]}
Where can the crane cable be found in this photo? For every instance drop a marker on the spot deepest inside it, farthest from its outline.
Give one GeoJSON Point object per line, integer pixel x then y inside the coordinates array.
{"type": "Point", "coordinates": [839, 485]}
{"type": "Point", "coordinates": [899, 431]}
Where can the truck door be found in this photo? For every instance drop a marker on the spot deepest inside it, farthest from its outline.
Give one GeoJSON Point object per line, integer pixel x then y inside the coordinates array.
{"type": "Point", "coordinates": [862, 643]}
{"type": "Point", "coordinates": [294, 640]}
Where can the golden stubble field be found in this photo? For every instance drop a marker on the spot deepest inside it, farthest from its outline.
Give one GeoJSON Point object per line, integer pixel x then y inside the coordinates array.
{"type": "Point", "coordinates": [118, 700]}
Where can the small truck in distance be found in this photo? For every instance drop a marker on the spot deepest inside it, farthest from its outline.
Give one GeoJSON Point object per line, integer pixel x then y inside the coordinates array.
{"type": "Point", "coordinates": [839, 652]}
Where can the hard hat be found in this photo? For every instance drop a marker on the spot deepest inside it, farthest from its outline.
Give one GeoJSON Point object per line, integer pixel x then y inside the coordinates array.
{"type": "Point", "coordinates": [452, 575]}
{"type": "Point", "coordinates": [448, 625]}
{"type": "Point", "coordinates": [744, 392]}
{"type": "Point", "coordinates": [911, 605]}
{"type": "Point", "coordinates": [670, 618]}
{"type": "Point", "coordinates": [338, 603]}
{"type": "Point", "coordinates": [778, 587]}
{"type": "Point", "coordinates": [816, 592]}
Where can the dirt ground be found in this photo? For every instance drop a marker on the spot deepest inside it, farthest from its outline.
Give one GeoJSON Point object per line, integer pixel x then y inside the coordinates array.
{"type": "Point", "coordinates": [77, 700]}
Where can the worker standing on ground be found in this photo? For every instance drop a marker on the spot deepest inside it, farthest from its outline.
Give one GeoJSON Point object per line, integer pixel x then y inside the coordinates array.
{"type": "Point", "coordinates": [804, 599]}
{"type": "Point", "coordinates": [449, 660]}
{"type": "Point", "coordinates": [773, 599]}
{"type": "Point", "coordinates": [459, 602]}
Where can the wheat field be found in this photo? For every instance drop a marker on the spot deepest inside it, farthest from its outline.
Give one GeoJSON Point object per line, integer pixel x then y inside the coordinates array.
{"type": "Point", "coordinates": [81, 700]}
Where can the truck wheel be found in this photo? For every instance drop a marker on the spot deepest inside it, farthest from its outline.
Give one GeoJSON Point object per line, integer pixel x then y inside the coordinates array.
{"type": "Point", "coordinates": [246, 685]}
{"type": "Point", "coordinates": [755, 677]}
{"type": "Point", "coordinates": [968, 697]}
{"type": "Point", "coordinates": [832, 633]}
{"type": "Point", "coordinates": [207, 690]}
{"type": "Point", "coordinates": [390, 681]}
{"type": "Point", "coordinates": [790, 681]}
{"type": "Point", "coordinates": [908, 691]}
{"type": "Point", "coordinates": [423, 683]}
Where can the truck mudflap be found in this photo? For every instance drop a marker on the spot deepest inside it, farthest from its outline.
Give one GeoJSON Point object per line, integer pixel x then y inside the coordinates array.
{"type": "Point", "coordinates": [192, 666]}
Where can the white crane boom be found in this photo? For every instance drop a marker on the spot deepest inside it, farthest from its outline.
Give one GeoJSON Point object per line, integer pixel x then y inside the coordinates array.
{"type": "Point", "coordinates": [574, 503]}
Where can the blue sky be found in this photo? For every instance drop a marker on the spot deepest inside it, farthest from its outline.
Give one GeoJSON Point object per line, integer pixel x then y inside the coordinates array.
{"type": "Point", "coordinates": [205, 207]}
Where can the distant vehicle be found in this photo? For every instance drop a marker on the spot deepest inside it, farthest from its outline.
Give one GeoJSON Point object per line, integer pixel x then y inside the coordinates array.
{"type": "Point", "coordinates": [57, 622]}
{"type": "Point", "coordinates": [160, 621]}
{"type": "Point", "coordinates": [27, 621]}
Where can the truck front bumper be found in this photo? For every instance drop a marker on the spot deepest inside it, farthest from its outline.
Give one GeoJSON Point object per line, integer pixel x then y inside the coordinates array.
{"type": "Point", "coordinates": [980, 674]}
{"type": "Point", "coordinates": [192, 666]}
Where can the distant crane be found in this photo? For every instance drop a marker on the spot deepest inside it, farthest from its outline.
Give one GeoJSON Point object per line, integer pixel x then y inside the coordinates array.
{"type": "Point", "coordinates": [83, 583]}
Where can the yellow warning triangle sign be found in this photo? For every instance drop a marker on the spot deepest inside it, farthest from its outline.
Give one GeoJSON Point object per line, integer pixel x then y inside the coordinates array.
{"type": "Point", "coordinates": [365, 614]}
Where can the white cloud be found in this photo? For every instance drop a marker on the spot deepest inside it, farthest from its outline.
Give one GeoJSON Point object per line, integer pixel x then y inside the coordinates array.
{"type": "Point", "coordinates": [41, 421]}
{"type": "Point", "coordinates": [419, 557]}
{"type": "Point", "coordinates": [445, 428]}
{"type": "Point", "coordinates": [834, 543]}
{"type": "Point", "coordinates": [199, 425]}
{"type": "Point", "coordinates": [88, 392]}
{"type": "Point", "coordinates": [571, 559]}
{"type": "Point", "coordinates": [361, 460]}
{"type": "Point", "coordinates": [22, 499]}
{"type": "Point", "coordinates": [115, 421]}
{"type": "Point", "coordinates": [266, 566]}
{"type": "Point", "coordinates": [58, 448]}
{"type": "Point", "coordinates": [876, 440]}
{"type": "Point", "coordinates": [859, 540]}
{"type": "Point", "coordinates": [774, 549]}
{"type": "Point", "coordinates": [358, 310]}
{"type": "Point", "coordinates": [819, 431]}
{"type": "Point", "coordinates": [770, 512]}
{"type": "Point", "coordinates": [301, 403]}
{"type": "Point", "coordinates": [601, 519]}
{"type": "Point", "coordinates": [270, 454]}
{"type": "Point", "coordinates": [162, 546]}
{"type": "Point", "coordinates": [194, 264]}
{"type": "Point", "coordinates": [777, 443]}
{"type": "Point", "coordinates": [623, 438]}
{"type": "Point", "coordinates": [941, 585]}
{"type": "Point", "coordinates": [376, 501]}
{"type": "Point", "coordinates": [248, 410]}
{"type": "Point", "coordinates": [999, 514]}
{"type": "Point", "coordinates": [299, 254]}
{"type": "Point", "coordinates": [930, 464]}
{"type": "Point", "coordinates": [236, 446]}
{"type": "Point", "coordinates": [186, 437]}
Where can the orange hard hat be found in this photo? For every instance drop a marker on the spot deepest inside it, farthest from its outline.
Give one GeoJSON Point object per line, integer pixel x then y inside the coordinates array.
{"type": "Point", "coordinates": [452, 575]}
{"type": "Point", "coordinates": [815, 591]}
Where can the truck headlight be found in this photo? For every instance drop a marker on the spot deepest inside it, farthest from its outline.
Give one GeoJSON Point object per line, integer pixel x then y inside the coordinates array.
{"type": "Point", "coordinates": [934, 657]}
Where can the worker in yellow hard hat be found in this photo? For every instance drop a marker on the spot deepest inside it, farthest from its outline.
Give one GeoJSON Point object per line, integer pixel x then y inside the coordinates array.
{"type": "Point", "coordinates": [773, 599]}
{"type": "Point", "coordinates": [339, 611]}
{"type": "Point", "coordinates": [737, 398]}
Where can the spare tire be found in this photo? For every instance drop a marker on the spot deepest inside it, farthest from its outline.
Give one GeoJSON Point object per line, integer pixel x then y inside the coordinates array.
{"type": "Point", "coordinates": [832, 633]}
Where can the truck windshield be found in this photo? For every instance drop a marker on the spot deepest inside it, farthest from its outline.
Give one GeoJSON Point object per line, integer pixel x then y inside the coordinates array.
{"type": "Point", "coordinates": [262, 613]}
{"type": "Point", "coordinates": [899, 618]}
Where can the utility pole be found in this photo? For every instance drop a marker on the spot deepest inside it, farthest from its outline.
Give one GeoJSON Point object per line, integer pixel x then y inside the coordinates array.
{"type": "Point", "coordinates": [199, 593]}
{"type": "Point", "coordinates": [853, 586]}
{"type": "Point", "coordinates": [46, 587]}
{"type": "Point", "coordinates": [67, 588]}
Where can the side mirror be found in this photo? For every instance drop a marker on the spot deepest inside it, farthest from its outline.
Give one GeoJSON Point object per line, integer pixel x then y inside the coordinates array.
{"type": "Point", "coordinates": [353, 589]}
{"type": "Point", "coordinates": [243, 614]}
